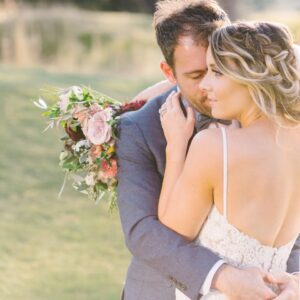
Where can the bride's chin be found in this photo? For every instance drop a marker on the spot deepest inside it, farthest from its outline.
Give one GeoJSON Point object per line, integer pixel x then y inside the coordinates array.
{"type": "Point", "coordinates": [216, 113]}
{"type": "Point", "coordinates": [220, 115]}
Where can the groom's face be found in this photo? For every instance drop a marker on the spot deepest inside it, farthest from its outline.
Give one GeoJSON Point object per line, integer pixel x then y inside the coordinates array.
{"type": "Point", "coordinates": [189, 69]}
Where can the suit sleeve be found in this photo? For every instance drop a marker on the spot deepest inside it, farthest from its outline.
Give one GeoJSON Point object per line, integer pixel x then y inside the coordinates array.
{"type": "Point", "coordinates": [293, 264]}
{"type": "Point", "coordinates": [146, 238]}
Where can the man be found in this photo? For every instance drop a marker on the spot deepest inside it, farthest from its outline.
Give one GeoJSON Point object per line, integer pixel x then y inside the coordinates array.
{"type": "Point", "coordinates": [162, 260]}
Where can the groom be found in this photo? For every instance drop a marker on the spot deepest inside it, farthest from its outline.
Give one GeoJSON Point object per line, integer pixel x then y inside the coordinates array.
{"type": "Point", "coordinates": [163, 260]}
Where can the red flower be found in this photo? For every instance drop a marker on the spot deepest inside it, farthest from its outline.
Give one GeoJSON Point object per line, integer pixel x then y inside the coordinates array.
{"type": "Point", "coordinates": [132, 106]}
{"type": "Point", "coordinates": [108, 170]}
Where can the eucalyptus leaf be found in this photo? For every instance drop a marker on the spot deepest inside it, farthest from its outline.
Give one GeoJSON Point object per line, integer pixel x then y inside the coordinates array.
{"type": "Point", "coordinates": [99, 197]}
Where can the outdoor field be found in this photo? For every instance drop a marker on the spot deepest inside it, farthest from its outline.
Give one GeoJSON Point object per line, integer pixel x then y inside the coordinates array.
{"type": "Point", "coordinates": [66, 249]}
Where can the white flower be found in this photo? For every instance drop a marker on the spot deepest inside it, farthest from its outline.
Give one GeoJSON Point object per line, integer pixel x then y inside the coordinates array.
{"type": "Point", "coordinates": [77, 90]}
{"type": "Point", "coordinates": [84, 143]}
{"type": "Point", "coordinates": [90, 179]}
{"type": "Point", "coordinates": [41, 103]}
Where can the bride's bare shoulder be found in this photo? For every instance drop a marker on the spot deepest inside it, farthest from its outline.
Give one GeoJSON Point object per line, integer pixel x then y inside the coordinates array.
{"type": "Point", "coordinates": [213, 136]}
{"type": "Point", "coordinates": [207, 144]}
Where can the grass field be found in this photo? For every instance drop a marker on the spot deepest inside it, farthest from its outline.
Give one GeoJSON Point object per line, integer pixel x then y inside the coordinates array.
{"type": "Point", "coordinates": [67, 249]}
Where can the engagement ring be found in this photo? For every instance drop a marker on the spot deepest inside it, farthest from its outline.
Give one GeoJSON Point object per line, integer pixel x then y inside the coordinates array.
{"type": "Point", "coordinates": [162, 111]}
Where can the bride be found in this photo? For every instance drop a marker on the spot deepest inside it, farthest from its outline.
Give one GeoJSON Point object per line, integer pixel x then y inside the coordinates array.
{"type": "Point", "coordinates": [236, 190]}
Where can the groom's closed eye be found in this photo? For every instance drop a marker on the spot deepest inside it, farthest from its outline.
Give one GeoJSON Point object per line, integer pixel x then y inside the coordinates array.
{"type": "Point", "coordinates": [196, 74]}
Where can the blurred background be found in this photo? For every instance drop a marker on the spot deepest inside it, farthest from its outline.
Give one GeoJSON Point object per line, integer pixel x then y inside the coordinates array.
{"type": "Point", "coordinates": [71, 249]}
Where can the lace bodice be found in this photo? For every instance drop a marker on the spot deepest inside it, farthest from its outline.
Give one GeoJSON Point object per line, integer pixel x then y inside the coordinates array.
{"type": "Point", "coordinates": [239, 249]}
{"type": "Point", "coordinates": [234, 246]}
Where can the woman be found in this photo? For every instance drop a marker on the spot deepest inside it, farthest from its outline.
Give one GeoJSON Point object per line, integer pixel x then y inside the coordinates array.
{"type": "Point", "coordinates": [236, 190]}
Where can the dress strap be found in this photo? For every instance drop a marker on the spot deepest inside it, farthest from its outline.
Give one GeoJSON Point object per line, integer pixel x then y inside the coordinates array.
{"type": "Point", "coordinates": [225, 171]}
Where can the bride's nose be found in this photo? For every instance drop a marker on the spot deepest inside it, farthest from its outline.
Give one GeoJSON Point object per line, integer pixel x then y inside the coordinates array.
{"type": "Point", "coordinates": [205, 84]}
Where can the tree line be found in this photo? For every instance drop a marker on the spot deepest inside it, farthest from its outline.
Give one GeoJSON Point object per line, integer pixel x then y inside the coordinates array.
{"type": "Point", "coordinates": [148, 6]}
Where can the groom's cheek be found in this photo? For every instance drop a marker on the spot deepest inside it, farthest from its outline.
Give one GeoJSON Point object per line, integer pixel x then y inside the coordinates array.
{"type": "Point", "coordinates": [202, 105]}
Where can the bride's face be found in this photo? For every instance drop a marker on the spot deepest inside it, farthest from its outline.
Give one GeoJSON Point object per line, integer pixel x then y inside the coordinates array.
{"type": "Point", "coordinates": [227, 98]}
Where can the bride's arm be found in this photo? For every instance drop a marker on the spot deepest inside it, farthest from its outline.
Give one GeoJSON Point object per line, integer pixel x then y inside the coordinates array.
{"type": "Point", "coordinates": [154, 90]}
{"type": "Point", "coordinates": [186, 195]}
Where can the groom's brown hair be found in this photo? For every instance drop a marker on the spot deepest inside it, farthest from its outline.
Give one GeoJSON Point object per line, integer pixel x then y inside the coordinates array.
{"type": "Point", "coordinates": [176, 18]}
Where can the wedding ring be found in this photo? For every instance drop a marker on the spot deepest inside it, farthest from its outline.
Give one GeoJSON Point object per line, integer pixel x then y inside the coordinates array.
{"type": "Point", "coordinates": [162, 111]}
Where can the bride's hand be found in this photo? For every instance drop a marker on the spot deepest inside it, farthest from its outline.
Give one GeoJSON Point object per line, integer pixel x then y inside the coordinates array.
{"type": "Point", "coordinates": [289, 285]}
{"type": "Point", "coordinates": [177, 128]}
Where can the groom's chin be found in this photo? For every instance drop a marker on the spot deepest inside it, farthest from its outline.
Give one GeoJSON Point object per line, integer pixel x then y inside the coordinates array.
{"type": "Point", "coordinates": [203, 106]}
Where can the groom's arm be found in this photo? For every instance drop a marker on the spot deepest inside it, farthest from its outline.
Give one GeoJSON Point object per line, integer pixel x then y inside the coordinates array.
{"type": "Point", "coordinates": [154, 90]}
{"type": "Point", "coordinates": [185, 264]}
{"type": "Point", "coordinates": [293, 265]}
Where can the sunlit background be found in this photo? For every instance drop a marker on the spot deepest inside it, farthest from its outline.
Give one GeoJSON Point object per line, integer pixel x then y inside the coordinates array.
{"type": "Point", "coordinates": [71, 249]}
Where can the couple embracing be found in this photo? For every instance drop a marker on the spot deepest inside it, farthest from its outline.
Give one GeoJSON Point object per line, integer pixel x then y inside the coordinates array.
{"type": "Point", "coordinates": [209, 170]}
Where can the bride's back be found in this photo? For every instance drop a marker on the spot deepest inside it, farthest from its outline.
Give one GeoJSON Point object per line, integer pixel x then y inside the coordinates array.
{"type": "Point", "coordinates": [263, 178]}
{"type": "Point", "coordinates": [252, 77]}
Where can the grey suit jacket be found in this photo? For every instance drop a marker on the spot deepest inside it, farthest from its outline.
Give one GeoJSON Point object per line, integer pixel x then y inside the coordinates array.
{"type": "Point", "coordinates": [162, 260]}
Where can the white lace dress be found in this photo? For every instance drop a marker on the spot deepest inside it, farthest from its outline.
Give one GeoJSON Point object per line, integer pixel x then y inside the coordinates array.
{"type": "Point", "coordinates": [234, 246]}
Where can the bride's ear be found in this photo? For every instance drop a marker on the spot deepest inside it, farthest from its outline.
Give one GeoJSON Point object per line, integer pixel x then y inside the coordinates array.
{"type": "Point", "coordinates": [168, 72]}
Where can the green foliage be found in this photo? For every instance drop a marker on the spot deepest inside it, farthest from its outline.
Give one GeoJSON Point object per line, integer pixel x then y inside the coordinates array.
{"type": "Point", "coordinates": [108, 5]}
{"type": "Point", "coordinates": [105, 38]}
{"type": "Point", "coordinates": [86, 40]}
{"type": "Point", "coordinates": [52, 113]}
{"type": "Point", "coordinates": [50, 41]}
{"type": "Point", "coordinates": [80, 41]}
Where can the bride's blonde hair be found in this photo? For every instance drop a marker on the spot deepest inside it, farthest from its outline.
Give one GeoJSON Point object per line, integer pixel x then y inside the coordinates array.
{"type": "Point", "coordinates": [261, 56]}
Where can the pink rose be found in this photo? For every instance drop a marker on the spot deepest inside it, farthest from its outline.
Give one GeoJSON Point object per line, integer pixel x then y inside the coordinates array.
{"type": "Point", "coordinates": [94, 108]}
{"type": "Point", "coordinates": [98, 131]}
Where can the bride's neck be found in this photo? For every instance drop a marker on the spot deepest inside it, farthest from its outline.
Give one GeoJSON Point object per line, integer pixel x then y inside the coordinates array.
{"type": "Point", "coordinates": [250, 118]}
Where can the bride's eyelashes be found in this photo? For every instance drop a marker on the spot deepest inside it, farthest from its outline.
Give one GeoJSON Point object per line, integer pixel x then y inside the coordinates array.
{"type": "Point", "coordinates": [217, 73]}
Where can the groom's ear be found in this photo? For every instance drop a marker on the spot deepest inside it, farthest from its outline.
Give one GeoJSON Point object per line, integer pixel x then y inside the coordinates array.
{"type": "Point", "coordinates": [168, 72]}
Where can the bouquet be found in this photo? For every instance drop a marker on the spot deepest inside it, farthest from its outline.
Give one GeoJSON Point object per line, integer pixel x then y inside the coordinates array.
{"type": "Point", "coordinates": [89, 120]}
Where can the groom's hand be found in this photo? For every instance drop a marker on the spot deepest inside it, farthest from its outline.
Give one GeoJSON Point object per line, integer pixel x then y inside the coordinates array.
{"type": "Point", "coordinates": [242, 284]}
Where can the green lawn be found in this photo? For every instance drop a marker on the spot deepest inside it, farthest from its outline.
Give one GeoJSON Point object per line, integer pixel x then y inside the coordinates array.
{"type": "Point", "coordinates": [67, 249]}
